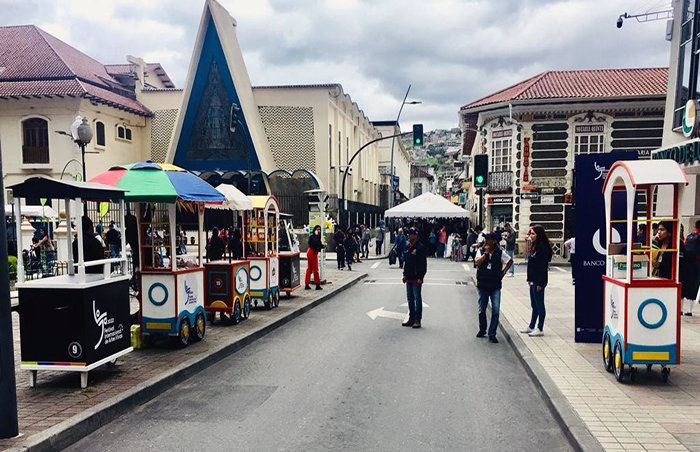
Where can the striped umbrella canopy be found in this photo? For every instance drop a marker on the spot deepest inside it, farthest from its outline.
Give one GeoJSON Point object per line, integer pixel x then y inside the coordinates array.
{"type": "Point", "coordinates": [159, 182]}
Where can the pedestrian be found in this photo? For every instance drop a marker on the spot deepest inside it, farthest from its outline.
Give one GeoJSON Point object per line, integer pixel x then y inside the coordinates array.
{"type": "Point", "coordinates": [46, 245]}
{"type": "Point", "coordinates": [379, 239]}
{"type": "Point", "coordinates": [315, 247]}
{"type": "Point", "coordinates": [216, 246]}
{"type": "Point", "coordinates": [662, 260]}
{"type": "Point", "coordinates": [510, 237]}
{"type": "Point", "coordinates": [442, 242]}
{"type": "Point", "coordinates": [492, 265]}
{"type": "Point", "coordinates": [357, 235]}
{"type": "Point", "coordinates": [113, 238]}
{"type": "Point", "coordinates": [366, 237]}
{"type": "Point", "coordinates": [92, 248]}
{"type": "Point", "coordinates": [432, 243]}
{"type": "Point", "coordinates": [537, 268]}
{"type": "Point", "coordinates": [338, 239]}
{"type": "Point", "coordinates": [414, 270]}
{"type": "Point", "coordinates": [349, 245]}
{"type": "Point", "coordinates": [571, 246]}
{"type": "Point", "coordinates": [478, 241]}
{"type": "Point", "coordinates": [692, 254]}
{"type": "Point", "coordinates": [235, 244]}
{"type": "Point", "coordinates": [400, 244]}
{"type": "Point", "coordinates": [642, 234]}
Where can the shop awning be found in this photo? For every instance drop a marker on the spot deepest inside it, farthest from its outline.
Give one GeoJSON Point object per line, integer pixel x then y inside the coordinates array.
{"type": "Point", "coordinates": [48, 187]}
{"type": "Point", "coordinates": [235, 199]}
{"type": "Point", "coordinates": [427, 205]}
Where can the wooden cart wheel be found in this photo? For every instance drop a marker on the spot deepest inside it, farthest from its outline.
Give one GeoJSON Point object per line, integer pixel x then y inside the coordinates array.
{"type": "Point", "coordinates": [236, 316]}
{"type": "Point", "coordinates": [183, 335]}
{"type": "Point", "coordinates": [618, 363]}
{"type": "Point", "coordinates": [607, 353]}
{"type": "Point", "coordinates": [246, 306]}
{"type": "Point", "coordinates": [277, 298]}
{"type": "Point", "coordinates": [200, 327]}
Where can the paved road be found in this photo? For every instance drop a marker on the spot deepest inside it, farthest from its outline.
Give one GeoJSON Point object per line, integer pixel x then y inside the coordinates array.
{"type": "Point", "coordinates": [334, 379]}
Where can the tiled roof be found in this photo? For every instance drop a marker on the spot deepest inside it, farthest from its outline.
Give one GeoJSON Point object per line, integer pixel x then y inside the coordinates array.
{"type": "Point", "coordinates": [38, 64]}
{"type": "Point", "coordinates": [596, 83]}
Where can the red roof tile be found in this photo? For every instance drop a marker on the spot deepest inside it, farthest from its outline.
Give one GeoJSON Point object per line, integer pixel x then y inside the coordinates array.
{"type": "Point", "coordinates": [38, 64]}
{"type": "Point", "coordinates": [596, 83]}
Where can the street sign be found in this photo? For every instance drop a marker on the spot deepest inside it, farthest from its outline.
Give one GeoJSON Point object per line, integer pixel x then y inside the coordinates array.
{"type": "Point", "coordinates": [547, 199]}
{"type": "Point", "coordinates": [530, 195]}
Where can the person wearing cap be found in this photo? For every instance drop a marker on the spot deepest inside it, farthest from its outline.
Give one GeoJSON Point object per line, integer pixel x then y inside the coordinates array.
{"type": "Point", "coordinates": [414, 269]}
{"type": "Point", "coordinates": [492, 265]}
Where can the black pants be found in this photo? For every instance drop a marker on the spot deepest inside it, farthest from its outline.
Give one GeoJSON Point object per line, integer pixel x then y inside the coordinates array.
{"type": "Point", "coordinates": [379, 247]}
{"type": "Point", "coordinates": [365, 249]}
{"type": "Point", "coordinates": [340, 256]}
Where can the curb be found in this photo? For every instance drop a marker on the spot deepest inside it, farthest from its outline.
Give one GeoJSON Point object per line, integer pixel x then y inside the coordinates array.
{"type": "Point", "coordinates": [71, 430]}
{"type": "Point", "coordinates": [580, 438]}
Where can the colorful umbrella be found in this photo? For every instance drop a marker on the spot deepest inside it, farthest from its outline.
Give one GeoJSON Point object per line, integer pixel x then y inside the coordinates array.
{"type": "Point", "coordinates": [159, 182]}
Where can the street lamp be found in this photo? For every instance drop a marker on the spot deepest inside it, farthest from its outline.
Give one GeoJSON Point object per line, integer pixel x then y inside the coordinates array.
{"type": "Point", "coordinates": [82, 135]}
{"type": "Point", "coordinates": [391, 180]}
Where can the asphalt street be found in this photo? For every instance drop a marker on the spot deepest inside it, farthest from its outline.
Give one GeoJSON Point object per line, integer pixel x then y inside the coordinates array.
{"type": "Point", "coordinates": [337, 379]}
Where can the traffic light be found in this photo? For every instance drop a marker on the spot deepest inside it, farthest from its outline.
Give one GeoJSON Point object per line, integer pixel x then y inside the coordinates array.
{"type": "Point", "coordinates": [418, 134]}
{"type": "Point", "coordinates": [481, 170]}
{"type": "Point", "coordinates": [233, 117]}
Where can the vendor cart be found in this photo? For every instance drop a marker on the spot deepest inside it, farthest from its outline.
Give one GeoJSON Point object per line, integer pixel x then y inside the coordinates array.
{"type": "Point", "coordinates": [77, 321]}
{"type": "Point", "coordinates": [261, 248]}
{"type": "Point", "coordinates": [228, 281]}
{"type": "Point", "coordinates": [641, 310]}
{"type": "Point", "coordinates": [171, 282]}
{"type": "Point", "coordinates": [290, 259]}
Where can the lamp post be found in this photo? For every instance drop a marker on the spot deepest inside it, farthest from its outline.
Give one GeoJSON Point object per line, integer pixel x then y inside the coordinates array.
{"type": "Point", "coordinates": [82, 135]}
{"type": "Point", "coordinates": [391, 180]}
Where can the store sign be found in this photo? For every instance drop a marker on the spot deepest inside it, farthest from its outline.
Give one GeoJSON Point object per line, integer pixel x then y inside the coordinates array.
{"type": "Point", "coordinates": [500, 200]}
{"type": "Point", "coordinates": [530, 195]}
{"type": "Point", "coordinates": [590, 128]}
{"type": "Point", "coordinates": [685, 153]}
{"type": "Point", "coordinates": [690, 118]}
{"type": "Point", "coordinates": [526, 158]}
{"type": "Point", "coordinates": [548, 200]}
{"type": "Point", "coordinates": [502, 134]}
{"type": "Point", "coordinates": [529, 187]}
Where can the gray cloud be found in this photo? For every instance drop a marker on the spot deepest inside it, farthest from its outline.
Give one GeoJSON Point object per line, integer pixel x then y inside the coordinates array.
{"type": "Point", "coordinates": [452, 52]}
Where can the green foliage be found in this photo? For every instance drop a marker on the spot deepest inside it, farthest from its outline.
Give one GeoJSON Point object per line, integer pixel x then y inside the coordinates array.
{"type": "Point", "coordinates": [12, 263]}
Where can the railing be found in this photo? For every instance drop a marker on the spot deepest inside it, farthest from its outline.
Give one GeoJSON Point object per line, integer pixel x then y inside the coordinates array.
{"type": "Point", "coordinates": [35, 154]}
{"type": "Point", "coordinates": [500, 182]}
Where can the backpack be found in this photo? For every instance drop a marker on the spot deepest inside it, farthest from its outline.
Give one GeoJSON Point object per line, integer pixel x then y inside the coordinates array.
{"type": "Point", "coordinates": [692, 246]}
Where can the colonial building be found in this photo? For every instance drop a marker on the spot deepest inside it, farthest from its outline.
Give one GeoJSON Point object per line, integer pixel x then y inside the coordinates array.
{"type": "Point", "coordinates": [532, 131]}
{"type": "Point", "coordinates": [680, 137]}
{"type": "Point", "coordinates": [402, 164]}
{"type": "Point", "coordinates": [422, 179]}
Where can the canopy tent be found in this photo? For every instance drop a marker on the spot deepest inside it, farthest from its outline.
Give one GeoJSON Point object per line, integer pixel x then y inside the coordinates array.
{"type": "Point", "coordinates": [34, 212]}
{"type": "Point", "coordinates": [427, 205]}
{"type": "Point", "coordinates": [235, 199]}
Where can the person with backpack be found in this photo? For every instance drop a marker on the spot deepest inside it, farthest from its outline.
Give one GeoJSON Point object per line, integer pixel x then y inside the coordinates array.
{"type": "Point", "coordinates": [400, 244]}
{"type": "Point", "coordinates": [692, 262]}
{"type": "Point", "coordinates": [338, 239]}
{"type": "Point", "coordinates": [349, 246]}
{"type": "Point", "coordinates": [379, 238]}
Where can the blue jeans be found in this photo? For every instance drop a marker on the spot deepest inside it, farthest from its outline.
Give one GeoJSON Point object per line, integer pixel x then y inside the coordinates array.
{"type": "Point", "coordinates": [495, 310]}
{"type": "Point", "coordinates": [537, 303]}
{"type": "Point", "coordinates": [512, 266]}
{"type": "Point", "coordinates": [441, 250]}
{"type": "Point", "coordinates": [415, 302]}
{"type": "Point", "coordinates": [400, 257]}
{"type": "Point", "coordinates": [114, 251]}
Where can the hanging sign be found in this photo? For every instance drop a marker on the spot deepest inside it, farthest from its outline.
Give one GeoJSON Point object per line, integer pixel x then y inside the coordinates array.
{"type": "Point", "coordinates": [690, 118]}
{"type": "Point", "coordinates": [533, 195]}
{"type": "Point", "coordinates": [526, 158]}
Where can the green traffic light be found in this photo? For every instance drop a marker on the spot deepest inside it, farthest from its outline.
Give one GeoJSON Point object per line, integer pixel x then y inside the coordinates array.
{"type": "Point", "coordinates": [479, 179]}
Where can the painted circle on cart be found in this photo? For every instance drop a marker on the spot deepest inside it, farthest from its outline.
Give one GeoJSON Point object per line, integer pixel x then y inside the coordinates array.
{"type": "Point", "coordinates": [241, 280]}
{"type": "Point", "coordinates": [75, 350]}
{"type": "Point", "coordinates": [163, 297]}
{"type": "Point", "coordinates": [255, 273]}
{"type": "Point", "coordinates": [640, 313]}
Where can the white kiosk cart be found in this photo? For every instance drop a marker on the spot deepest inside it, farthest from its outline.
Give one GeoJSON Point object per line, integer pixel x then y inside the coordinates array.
{"type": "Point", "coordinates": [78, 321]}
{"type": "Point", "coordinates": [642, 310]}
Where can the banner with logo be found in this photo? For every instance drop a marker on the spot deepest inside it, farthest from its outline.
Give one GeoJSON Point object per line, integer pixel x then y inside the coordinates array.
{"type": "Point", "coordinates": [590, 233]}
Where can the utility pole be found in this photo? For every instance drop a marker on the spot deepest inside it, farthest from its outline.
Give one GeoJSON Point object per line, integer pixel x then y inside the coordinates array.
{"type": "Point", "coordinates": [9, 425]}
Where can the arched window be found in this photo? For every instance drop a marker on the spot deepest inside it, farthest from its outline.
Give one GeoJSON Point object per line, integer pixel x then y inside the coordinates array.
{"type": "Point", "coordinates": [35, 145]}
{"type": "Point", "coordinates": [100, 133]}
{"type": "Point", "coordinates": [123, 133]}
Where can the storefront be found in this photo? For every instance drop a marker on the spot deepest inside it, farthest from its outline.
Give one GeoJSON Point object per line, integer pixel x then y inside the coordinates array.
{"type": "Point", "coordinates": [500, 211]}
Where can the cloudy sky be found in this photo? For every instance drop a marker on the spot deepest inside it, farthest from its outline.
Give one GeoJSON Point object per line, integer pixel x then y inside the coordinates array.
{"type": "Point", "coordinates": [451, 51]}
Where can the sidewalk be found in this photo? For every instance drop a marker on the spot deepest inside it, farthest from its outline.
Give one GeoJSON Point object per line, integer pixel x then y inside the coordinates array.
{"type": "Point", "coordinates": [57, 412]}
{"type": "Point", "coordinates": [643, 415]}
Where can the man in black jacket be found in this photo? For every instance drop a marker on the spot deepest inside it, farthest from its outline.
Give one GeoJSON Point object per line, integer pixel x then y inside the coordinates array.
{"type": "Point", "coordinates": [414, 269]}
{"type": "Point", "coordinates": [492, 264]}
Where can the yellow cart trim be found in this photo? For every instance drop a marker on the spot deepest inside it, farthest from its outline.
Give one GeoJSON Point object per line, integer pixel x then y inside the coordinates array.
{"type": "Point", "coordinates": [650, 356]}
{"type": "Point", "coordinates": [256, 294]}
{"type": "Point", "coordinates": [158, 326]}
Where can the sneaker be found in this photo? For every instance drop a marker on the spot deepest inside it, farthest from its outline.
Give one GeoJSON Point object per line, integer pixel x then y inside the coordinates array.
{"type": "Point", "coordinates": [511, 275]}
{"type": "Point", "coordinates": [536, 333]}
{"type": "Point", "coordinates": [493, 339]}
{"type": "Point", "coordinates": [481, 334]}
{"type": "Point", "coordinates": [690, 314]}
{"type": "Point", "coordinates": [526, 330]}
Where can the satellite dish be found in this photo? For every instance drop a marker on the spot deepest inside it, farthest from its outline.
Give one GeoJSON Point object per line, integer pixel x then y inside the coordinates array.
{"type": "Point", "coordinates": [74, 128]}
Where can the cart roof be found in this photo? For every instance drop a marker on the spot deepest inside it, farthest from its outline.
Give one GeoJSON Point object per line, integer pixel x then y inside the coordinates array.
{"type": "Point", "coordinates": [259, 202]}
{"type": "Point", "coordinates": [647, 172]}
{"type": "Point", "coordinates": [235, 199]}
{"type": "Point", "coordinates": [48, 187]}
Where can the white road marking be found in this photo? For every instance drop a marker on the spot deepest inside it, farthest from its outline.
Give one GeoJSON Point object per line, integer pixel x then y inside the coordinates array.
{"type": "Point", "coordinates": [388, 314]}
{"type": "Point", "coordinates": [425, 305]}
{"type": "Point", "coordinates": [376, 264]}
{"type": "Point", "coordinates": [562, 270]}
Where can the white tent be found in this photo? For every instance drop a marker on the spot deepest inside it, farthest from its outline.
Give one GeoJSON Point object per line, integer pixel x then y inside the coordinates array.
{"type": "Point", "coordinates": [427, 205]}
{"type": "Point", "coordinates": [235, 199]}
{"type": "Point", "coordinates": [34, 212]}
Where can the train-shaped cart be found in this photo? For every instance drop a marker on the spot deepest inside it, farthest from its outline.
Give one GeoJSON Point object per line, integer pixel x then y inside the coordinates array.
{"type": "Point", "coordinates": [171, 283]}
{"type": "Point", "coordinates": [642, 308]}
{"type": "Point", "coordinates": [228, 281]}
{"type": "Point", "coordinates": [261, 247]}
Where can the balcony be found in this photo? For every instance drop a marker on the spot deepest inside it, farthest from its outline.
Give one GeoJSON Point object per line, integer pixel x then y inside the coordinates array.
{"type": "Point", "coordinates": [500, 182]}
{"type": "Point", "coordinates": [35, 155]}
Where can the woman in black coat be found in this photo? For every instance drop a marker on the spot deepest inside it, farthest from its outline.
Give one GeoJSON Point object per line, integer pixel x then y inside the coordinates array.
{"type": "Point", "coordinates": [215, 248]}
{"type": "Point", "coordinates": [537, 278]}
